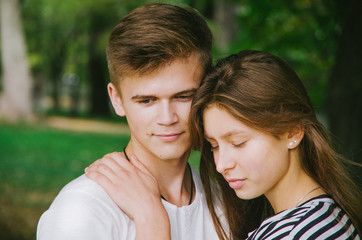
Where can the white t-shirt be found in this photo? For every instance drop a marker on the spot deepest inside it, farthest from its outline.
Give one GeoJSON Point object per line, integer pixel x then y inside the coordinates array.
{"type": "Point", "coordinates": [83, 210]}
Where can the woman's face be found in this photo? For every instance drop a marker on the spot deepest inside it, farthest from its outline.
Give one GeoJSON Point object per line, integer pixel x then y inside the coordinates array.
{"type": "Point", "coordinates": [253, 162]}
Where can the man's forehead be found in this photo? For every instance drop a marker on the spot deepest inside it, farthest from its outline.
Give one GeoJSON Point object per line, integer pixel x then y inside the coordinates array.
{"type": "Point", "coordinates": [155, 67]}
{"type": "Point", "coordinates": [157, 89]}
{"type": "Point", "coordinates": [179, 75]}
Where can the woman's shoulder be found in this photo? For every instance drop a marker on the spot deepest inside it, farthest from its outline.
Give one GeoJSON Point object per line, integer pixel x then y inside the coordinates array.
{"type": "Point", "coordinates": [317, 218]}
{"type": "Point", "coordinates": [323, 219]}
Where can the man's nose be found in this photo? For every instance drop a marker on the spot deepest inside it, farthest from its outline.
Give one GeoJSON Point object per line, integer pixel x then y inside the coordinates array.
{"type": "Point", "coordinates": [167, 113]}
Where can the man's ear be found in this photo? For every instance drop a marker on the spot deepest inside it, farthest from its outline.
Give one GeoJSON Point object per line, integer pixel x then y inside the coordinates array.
{"type": "Point", "coordinates": [116, 100]}
{"type": "Point", "coordinates": [295, 136]}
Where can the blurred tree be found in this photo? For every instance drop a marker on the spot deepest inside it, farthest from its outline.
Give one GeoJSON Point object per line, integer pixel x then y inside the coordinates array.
{"type": "Point", "coordinates": [102, 16]}
{"type": "Point", "coordinates": [300, 31]}
{"type": "Point", "coordinates": [50, 27]}
{"type": "Point", "coordinates": [16, 100]}
{"type": "Point", "coordinates": [97, 68]}
{"type": "Point", "coordinates": [70, 37]}
{"type": "Point", "coordinates": [345, 86]}
{"type": "Point", "coordinates": [224, 17]}
{"type": "Point", "coordinates": [100, 25]}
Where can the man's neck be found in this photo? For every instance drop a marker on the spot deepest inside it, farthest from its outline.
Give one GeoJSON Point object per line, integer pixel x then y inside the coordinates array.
{"type": "Point", "coordinates": [173, 175]}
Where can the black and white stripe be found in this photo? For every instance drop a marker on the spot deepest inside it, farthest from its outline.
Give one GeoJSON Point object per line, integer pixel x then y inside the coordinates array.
{"type": "Point", "coordinates": [318, 218]}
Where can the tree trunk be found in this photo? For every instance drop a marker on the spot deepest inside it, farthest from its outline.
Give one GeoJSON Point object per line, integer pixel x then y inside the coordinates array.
{"type": "Point", "coordinates": [224, 15]}
{"type": "Point", "coordinates": [56, 65]}
{"type": "Point", "coordinates": [345, 97]}
{"type": "Point", "coordinates": [97, 65]}
{"type": "Point", "coordinates": [16, 99]}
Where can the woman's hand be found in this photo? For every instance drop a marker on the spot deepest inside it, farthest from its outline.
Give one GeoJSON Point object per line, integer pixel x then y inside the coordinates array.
{"type": "Point", "coordinates": [133, 188]}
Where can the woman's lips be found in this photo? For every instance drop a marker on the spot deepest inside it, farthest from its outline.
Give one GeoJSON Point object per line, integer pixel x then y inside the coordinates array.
{"type": "Point", "coordinates": [236, 183]}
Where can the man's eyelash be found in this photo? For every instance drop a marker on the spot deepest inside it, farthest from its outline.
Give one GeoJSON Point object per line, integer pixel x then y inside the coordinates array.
{"type": "Point", "coordinates": [145, 101]}
{"type": "Point", "coordinates": [185, 96]}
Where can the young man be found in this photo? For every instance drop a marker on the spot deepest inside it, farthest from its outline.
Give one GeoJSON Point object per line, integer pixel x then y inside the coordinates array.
{"type": "Point", "coordinates": [157, 56]}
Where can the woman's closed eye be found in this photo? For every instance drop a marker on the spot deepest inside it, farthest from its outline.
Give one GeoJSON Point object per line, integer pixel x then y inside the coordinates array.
{"type": "Point", "coordinates": [239, 145]}
{"type": "Point", "coordinates": [213, 148]}
{"type": "Point", "coordinates": [213, 145]}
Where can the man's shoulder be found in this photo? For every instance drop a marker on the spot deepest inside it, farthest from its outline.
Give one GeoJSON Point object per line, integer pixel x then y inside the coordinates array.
{"type": "Point", "coordinates": [82, 208]}
{"type": "Point", "coordinates": [84, 185]}
{"type": "Point", "coordinates": [82, 194]}
{"type": "Point", "coordinates": [83, 188]}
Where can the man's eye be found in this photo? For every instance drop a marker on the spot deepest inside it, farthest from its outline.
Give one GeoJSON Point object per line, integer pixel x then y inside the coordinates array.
{"type": "Point", "coordinates": [184, 97]}
{"type": "Point", "coordinates": [145, 101]}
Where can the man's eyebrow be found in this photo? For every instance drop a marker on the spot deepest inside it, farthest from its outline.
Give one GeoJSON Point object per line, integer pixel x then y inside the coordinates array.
{"type": "Point", "coordinates": [140, 97]}
{"type": "Point", "coordinates": [187, 91]}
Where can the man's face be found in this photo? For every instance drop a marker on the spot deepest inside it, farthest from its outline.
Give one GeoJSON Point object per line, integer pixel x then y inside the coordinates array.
{"type": "Point", "coordinates": [157, 108]}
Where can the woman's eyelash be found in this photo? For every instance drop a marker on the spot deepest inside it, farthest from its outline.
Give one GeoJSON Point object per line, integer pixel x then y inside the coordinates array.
{"type": "Point", "coordinates": [213, 148]}
{"type": "Point", "coordinates": [239, 144]}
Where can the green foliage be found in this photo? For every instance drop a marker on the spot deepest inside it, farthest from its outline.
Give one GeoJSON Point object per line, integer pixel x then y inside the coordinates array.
{"type": "Point", "coordinates": [302, 32]}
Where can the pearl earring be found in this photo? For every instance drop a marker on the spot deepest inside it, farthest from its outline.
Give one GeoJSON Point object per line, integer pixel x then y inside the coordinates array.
{"type": "Point", "coordinates": [292, 143]}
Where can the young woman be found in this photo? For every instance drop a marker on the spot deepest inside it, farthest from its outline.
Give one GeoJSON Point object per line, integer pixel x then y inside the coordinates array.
{"type": "Point", "coordinates": [260, 139]}
{"type": "Point", "coordinates": [269, 156]}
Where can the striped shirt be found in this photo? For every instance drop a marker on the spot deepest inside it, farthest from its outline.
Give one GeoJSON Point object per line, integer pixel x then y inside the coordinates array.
{"type": "Point", "coordinates": [317, 218]}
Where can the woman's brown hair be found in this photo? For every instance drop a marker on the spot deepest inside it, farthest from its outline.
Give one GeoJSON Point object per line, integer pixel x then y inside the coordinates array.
{"type": "Point", "coordinates": [262, 91]}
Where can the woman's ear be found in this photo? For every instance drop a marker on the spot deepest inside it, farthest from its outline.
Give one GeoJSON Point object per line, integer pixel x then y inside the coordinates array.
{"type": "Point", "coordinates": [116, 100]}
{"type": "Point", "coordinates": [295, 136]}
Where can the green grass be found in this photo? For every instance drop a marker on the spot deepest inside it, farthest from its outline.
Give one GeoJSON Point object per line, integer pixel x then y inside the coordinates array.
{"type": "Point", "coordinates": [36, 162]}
{"type": "Point", "coordinates": [43, 158]}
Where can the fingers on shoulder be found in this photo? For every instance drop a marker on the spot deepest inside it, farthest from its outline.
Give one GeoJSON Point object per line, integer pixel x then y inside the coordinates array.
{"type": "Point", "coordinates": [106, 163]}
{"type": "Point", "coordinates": [99, 176]}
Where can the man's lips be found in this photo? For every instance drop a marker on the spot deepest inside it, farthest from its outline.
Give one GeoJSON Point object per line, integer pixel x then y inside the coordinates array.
{"type": "Point", "coordinates": [236, 183]}
{"type": "Point", "coordinates": [168, 137]}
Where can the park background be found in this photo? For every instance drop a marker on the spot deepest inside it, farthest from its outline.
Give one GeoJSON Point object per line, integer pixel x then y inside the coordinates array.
{"type": "Point", "coordinates": [55, 114]}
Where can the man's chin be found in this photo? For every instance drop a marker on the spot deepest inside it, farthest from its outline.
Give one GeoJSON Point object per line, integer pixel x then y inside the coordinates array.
{"type": "Point", "coordinates": [173, 153]}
